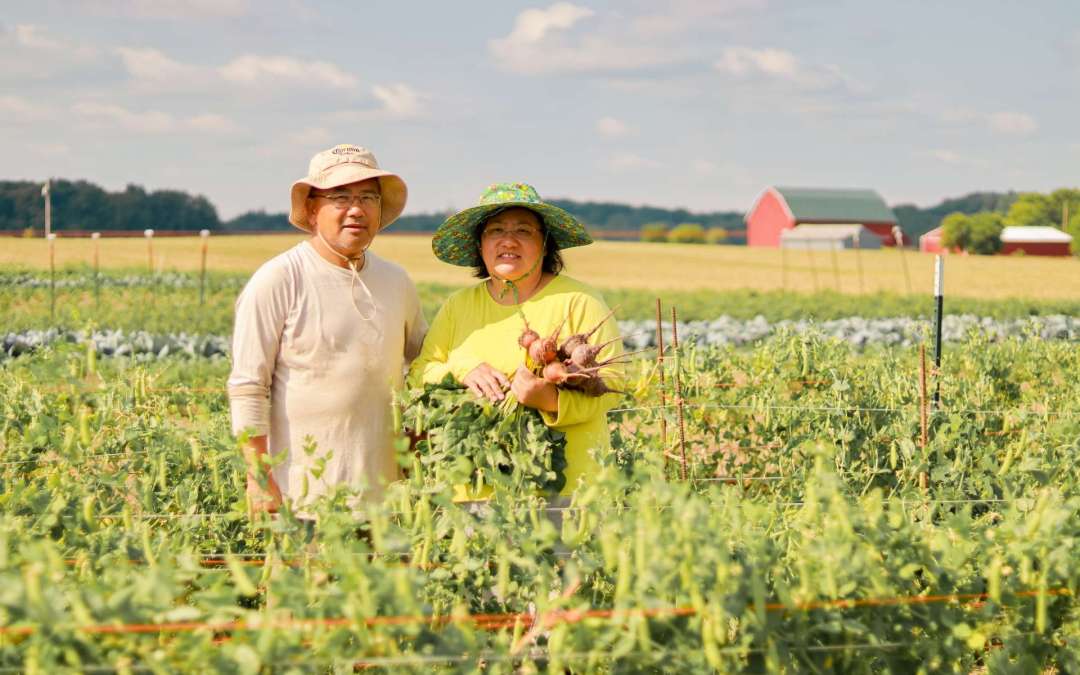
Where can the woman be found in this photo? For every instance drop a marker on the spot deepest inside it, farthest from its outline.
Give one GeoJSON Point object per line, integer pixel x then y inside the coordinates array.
{"type": "Point", "coordinates": [512, 240]}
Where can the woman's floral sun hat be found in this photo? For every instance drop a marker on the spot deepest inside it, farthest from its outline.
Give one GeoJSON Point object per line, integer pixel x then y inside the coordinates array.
{"type": "Point", "coordinates": [455, 240]}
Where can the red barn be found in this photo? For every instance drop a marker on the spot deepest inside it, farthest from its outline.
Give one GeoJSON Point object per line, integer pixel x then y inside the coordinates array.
{"type": "Point", "coordinates": [781, 208]}
{"type": "Point", "coordinates": [931, 242]}
{"type": "Point", "coordinates": [1034, 240]}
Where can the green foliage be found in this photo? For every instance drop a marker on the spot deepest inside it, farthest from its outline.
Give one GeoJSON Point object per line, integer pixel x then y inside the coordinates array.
{"type": "Point", "coordinates": [170, 304]}
{"type": "Point", "coordinates": [979, 233]}
{"type": "Point", "coordinates": [802, 541]}
{"type": "Point", "coordinates": [80, 205]}
{"type": "Point", "coordinates": [917, 221]}
{"type": "Point", "coordinates": [687, 233]}
{"type": "Point", "coordinates": [716, 235]}
{"type": "Point", "coordinates": [1033, 208]}
{"type": "Point", "coordinates": [654, 232]}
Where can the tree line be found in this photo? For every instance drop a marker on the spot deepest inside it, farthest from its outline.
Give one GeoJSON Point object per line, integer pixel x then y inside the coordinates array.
{"type": "Point", "coordinates": [82, 205]}
{"type": "Point", "coordinates": [980, 232]}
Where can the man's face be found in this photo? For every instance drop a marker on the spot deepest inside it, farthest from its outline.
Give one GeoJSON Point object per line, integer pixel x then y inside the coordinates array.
{"type": "Point", "coordinates": [348, 216]}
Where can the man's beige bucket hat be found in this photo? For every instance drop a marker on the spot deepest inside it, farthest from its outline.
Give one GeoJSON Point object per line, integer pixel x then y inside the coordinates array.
{"type": "Point", "coordinates": [341, 165]}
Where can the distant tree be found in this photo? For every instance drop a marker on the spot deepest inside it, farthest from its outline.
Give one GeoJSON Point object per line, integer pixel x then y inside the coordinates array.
{"type": "Point", "coordinates": [656, 232]}
{"type": "Point", "coordinates": [916, 221]}
{"type": "Point", "coordinates": [1060, 209]}
{"type": "Point", "coordinates": [716, 235]}
{"type": "Point", "coordinates": [687, 233]}
{"type": "Point", "coordinates": [978, 233]}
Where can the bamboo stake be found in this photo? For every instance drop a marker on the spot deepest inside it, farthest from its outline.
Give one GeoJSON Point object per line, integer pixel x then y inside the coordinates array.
{"type": "Point", "coordinates": [678, 393]}
{"type": "Point", "coordinates": [898, 238]}
{"type": "Point", "coordinates": [783, 267]}
{"type": "Point", "coordinates": [858, 261]}
{"type": "Point", "coordinates": [96, 238]}
{"type": "Point", "coordinates": [663, 385]}
{"type": "Point", "coordinates": [205, 235]}
{"type": "Point", "coordinates": [51, 237]}
{"type": "Point", "coordinates": [924, 435]}
{"type": "Point", "coordinates": [835, 267]}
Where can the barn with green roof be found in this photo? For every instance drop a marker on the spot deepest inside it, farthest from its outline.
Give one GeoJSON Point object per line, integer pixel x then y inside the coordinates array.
{"type": "Point", "coordinates": [782, 208]}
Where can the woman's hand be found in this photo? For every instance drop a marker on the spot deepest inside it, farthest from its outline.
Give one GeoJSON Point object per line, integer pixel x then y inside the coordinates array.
{"type": "Point", "coordinates": [487, 382]}
{"type": "Point", "coordinates": [534, 392]}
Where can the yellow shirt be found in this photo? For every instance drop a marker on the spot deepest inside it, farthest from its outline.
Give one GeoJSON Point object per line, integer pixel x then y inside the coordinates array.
{"type": "Point", "coordinates": [471, 328]}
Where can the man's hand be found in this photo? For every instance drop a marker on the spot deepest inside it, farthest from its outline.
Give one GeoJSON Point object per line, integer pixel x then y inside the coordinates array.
{"type": "Point", "coordinates": [485, 381]}
{"type": "Point", "coordinates": [534, 392]}
{"type": "Point", "coordinates": [260, 499]}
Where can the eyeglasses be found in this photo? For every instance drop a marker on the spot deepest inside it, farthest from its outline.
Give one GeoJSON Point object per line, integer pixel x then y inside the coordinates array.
{"type": "Point", "coordinates": [345, 200]}
{"type": "Point", "coordinates": [519, 232]}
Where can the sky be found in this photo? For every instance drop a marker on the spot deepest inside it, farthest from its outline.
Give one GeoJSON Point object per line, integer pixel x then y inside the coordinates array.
{"type": "Point", "coordinates": [697, 104]}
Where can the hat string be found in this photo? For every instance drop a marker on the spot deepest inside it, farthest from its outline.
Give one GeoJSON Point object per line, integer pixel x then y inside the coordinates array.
{"type": "Point", "coordinates": [511, 284]}
{"type": "Point", "coordinates": [355, 264]}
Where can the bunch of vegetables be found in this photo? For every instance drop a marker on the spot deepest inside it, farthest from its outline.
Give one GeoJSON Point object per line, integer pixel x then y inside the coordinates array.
{"type": "Point", "coordinates": [463, 440]}
{"type": "Point", "coordinates": [573, 363]}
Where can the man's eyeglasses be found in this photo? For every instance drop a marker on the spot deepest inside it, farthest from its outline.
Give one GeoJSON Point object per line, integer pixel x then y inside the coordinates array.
{"type": "Point", "coordinates": [345, 200]}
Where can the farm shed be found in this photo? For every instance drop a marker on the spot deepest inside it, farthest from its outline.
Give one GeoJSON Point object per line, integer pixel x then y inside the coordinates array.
{"type": "Point", "coordinates": [826, 237]}
{"type": "Point", "coordinates": [1035, 240]}
{"type": "Point", "coordinates": [783, 208]}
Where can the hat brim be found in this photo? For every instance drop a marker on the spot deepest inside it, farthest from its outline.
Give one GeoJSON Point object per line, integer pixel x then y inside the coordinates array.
{"type": "Point", "coordinates": [393, 189]}
{"type": "Point", "coordinates": [455, 240]}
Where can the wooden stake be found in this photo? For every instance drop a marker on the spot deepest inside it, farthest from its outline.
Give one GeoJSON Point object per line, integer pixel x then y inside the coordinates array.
{"type": "Point", "coordinates": [835, 268]}
{"type": "Point", "coordinates": [898, 238]}
{"type": "Point", "coordinates": [52, 275]}
{"type": "Point", "coordinates": [783, 267]}
{"type": "Point", "coordinates": [663, 385]}
{"type": "Point", "coordinates": [205, 235]}
{"type": "Point", "coordinates": [813, 268]}
{"type": "Point", "coordinates": [857, 245]}
{"type": "Point", "coordinates": [96, 238]}
{"type": "Point", "coordinates": [678, 393]}
{"type": "Point", "coordinates": [924, 436]}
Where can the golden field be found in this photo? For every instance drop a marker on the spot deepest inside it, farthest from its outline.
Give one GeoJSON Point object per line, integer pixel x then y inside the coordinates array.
{"type": "Point", "coordinates": [608, 264]}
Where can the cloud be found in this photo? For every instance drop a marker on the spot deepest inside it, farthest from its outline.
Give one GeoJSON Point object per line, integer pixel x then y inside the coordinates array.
{"type": "Point", "coordinates": [744, 61]}
{"type": "Point", "coordinates": [171, 9]}
{"type": "Point", "coordinates": [109, 115]}
{"type": "Point", "coordinates": [34, 37]}
{"type": "Point", "coordinates": [627, 161]}
{"type": "Point", "coordinates": [609, 127]}
{"type": "Point", "coordinates": [310, 137]}
{"type": "Point", "coordinates": [29, 49]}
{"type": "Point", "coordinates": [770, 64]}
{"type": "Point", "coordinates": [539, 44]}
{"type": "Point", "coordinates": [703, 167]}
{"type": "Point", "coordinates": [947, 157]}
{"type": "Point", "coordinates": [252, 69]}
{"type": "Point", "coordinates": [20, 110]}
{"type": "Point", "coordinates": [1012, 123]}
{"type": "Point", "coordinates": [398, 100]}
{"type": "Point", "coordinates": [152, 66]}
{"type": "Point", "coordinates": [533, 24]}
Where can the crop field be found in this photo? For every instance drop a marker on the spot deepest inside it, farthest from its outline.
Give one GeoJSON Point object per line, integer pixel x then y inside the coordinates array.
{"type": "Point", "coordinates": [796, 505]}
{"type": "Point", "coordinates": [667, 267]}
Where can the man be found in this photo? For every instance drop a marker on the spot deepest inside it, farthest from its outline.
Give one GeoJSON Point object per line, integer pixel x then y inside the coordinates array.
{"type": "Point", "coordinates": [323, 332]}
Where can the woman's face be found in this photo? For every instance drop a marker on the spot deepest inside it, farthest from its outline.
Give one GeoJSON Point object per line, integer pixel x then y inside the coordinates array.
{"type": "Point", "coordinates": [511, 244]}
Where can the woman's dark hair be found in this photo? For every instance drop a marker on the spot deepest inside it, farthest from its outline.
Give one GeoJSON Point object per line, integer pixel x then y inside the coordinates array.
{"type": "Point", "coordinates": [552, 263]}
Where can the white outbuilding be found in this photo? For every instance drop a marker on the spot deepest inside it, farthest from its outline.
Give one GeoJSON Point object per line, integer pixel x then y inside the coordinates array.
{"type": "Point", "coordinates": [829, 237]}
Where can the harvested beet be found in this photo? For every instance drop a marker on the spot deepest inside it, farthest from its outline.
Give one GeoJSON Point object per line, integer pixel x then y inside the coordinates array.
{"type": "Point", "coordinates": [528, 336]}
{"type": "Point", "coordinates": [574, 341]}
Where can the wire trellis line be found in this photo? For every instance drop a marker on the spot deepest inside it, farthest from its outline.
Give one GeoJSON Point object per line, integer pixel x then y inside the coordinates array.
{"type": "Point", "coordinates": [912, 409]}
{"type": "Point", "coordinates": [512, 620]}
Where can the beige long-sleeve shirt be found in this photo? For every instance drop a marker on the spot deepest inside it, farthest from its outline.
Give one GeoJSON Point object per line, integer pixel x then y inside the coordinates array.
{"type": "Point", "coordinates": [316, 377]}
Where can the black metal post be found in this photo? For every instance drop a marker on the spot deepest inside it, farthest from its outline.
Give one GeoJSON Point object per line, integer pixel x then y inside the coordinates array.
{"type": "Point", "coordinates": [939, 303]}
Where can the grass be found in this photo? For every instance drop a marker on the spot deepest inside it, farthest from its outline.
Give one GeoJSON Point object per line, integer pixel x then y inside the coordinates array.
{"type": "Point", "coordinates": [624, 265]}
